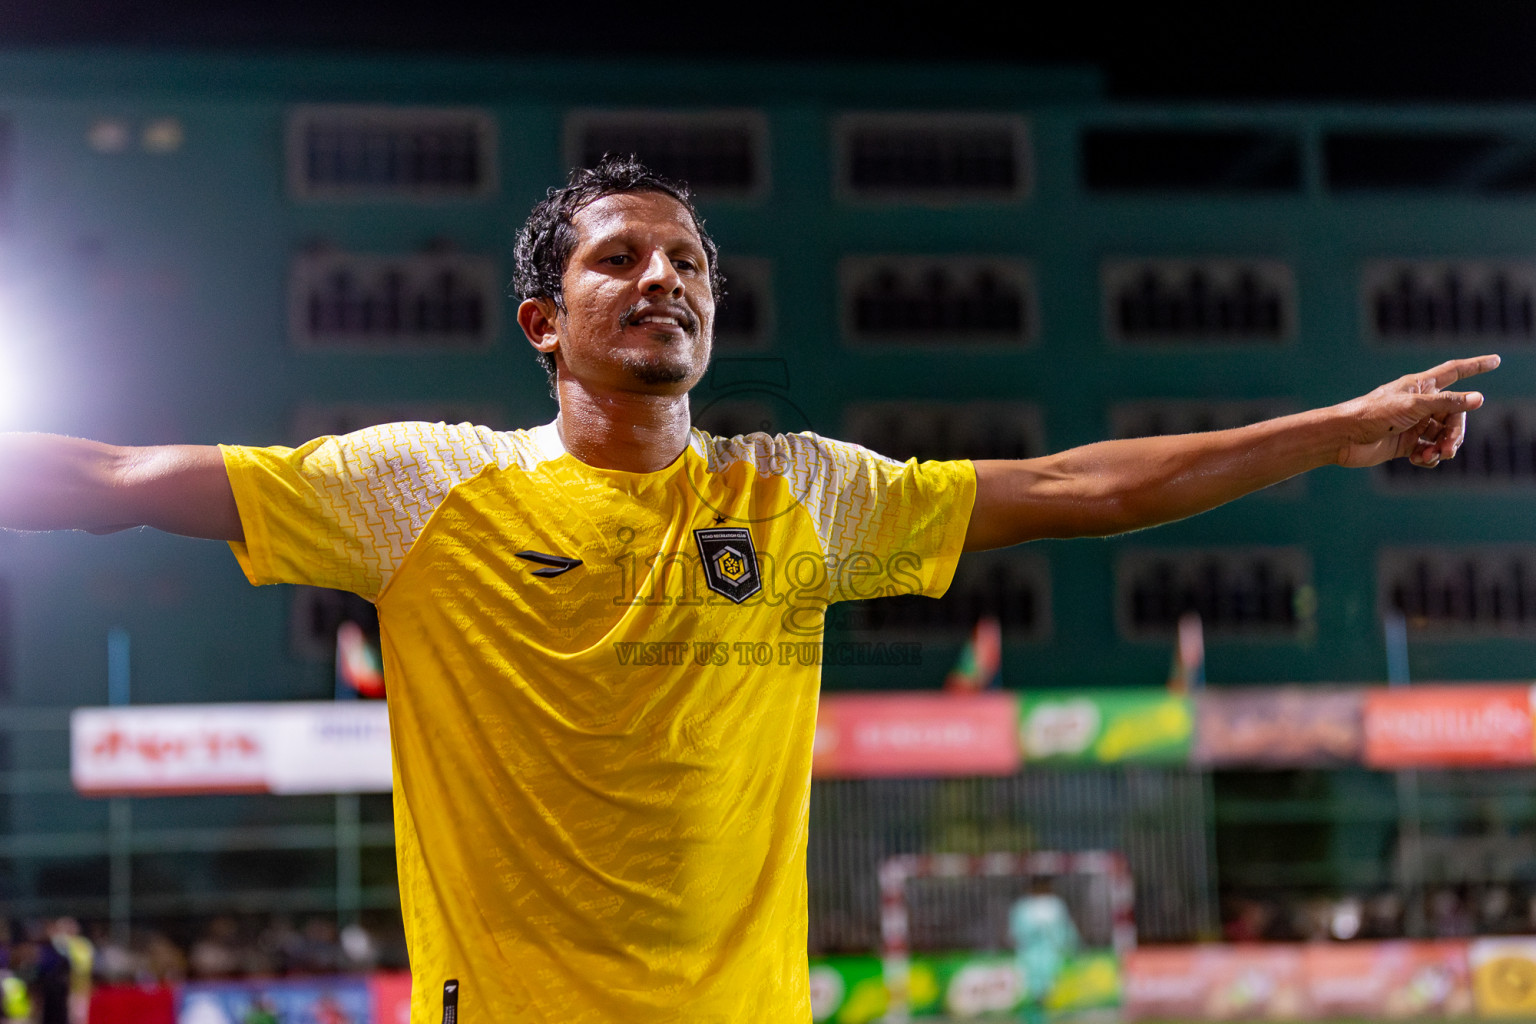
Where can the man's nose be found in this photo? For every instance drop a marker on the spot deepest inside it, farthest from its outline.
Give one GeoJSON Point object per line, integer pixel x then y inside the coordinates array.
{"type": "Point", "coordinates": [661, 277]}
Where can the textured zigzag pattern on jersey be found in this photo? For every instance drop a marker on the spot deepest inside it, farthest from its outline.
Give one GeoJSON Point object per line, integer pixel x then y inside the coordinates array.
{"type": "Point", "coordinates": [842, 486]}
{"type": "Point", "coordinates": [383, 483]}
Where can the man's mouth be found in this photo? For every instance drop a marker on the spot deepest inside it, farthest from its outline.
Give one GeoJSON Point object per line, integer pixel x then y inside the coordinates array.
{"type": "Point", "coordinates": [681, 319]}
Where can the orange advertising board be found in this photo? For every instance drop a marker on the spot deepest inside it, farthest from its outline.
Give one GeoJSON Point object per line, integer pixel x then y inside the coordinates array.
{"type": "Point", "coordinates": [1430, 726]}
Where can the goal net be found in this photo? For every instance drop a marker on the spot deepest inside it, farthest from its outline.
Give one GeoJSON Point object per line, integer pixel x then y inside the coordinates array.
{"type": "Point", "coordinates": [962, 902]}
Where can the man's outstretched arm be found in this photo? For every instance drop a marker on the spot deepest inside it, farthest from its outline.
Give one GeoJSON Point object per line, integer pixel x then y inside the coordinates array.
{"type": "Point", "coordinates": [49, 482]}
{"type": "Point", "coordinates": [1115, 486]}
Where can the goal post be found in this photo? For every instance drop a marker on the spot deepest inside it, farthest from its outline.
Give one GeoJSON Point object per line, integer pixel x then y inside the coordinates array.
{"type": "Point", "coordinates": [951, 902]}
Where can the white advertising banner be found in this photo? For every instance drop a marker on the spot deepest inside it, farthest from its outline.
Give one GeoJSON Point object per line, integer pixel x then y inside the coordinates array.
{"type": "Point", "coordinates": [294, 747]}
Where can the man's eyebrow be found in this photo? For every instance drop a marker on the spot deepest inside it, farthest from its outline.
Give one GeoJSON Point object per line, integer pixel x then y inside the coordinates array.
{"type": "Point", "coordinates": [622, 235]}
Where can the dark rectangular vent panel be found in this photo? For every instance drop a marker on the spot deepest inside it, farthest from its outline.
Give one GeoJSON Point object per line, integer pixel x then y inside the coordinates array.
{"type": "Point", "coordinates": [1252, 593]}
{"type": "Point", "coordinates": [1011, 585]}
{"type": "Point", "coordinates": [1153, 418]}
{"type": "Point", "coordinates": [312, 421]}
{"type": "Point", "coordinates": [1449, 301]}
{"type": "Point", "coordinates": [744, 322]}
{"type": "Point", "coordinates": [936, 158]}
{"type": "Point", "coordinates": [1465, 162]}
{"type": "Point", "coordinates": [1190, 160]}
{"type": "Point", "coordinates": [1499, 452]}
{"type": "Point", "coordinates": [718, 154]}
{"type": "Point", "coordinates": [1162, 301]}
{"type": "Point", "coordinates": [1469, 591]}
{"type": "Point", "coordinates": [937, 301]}
{"type": "Point", "coordinates": [363, 152]}
{"type": "Point", "coordinates": [417, 302]}
{"type": "Point", "coordinates": [940, 430]}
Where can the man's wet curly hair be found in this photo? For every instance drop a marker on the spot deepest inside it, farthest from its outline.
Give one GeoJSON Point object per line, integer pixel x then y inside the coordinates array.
{"type": "Point", "coordinates": [545, 244]}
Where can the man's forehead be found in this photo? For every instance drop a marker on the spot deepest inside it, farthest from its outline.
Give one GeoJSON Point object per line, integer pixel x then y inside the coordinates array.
{"type": "Point", "coordinates": [627, 212]}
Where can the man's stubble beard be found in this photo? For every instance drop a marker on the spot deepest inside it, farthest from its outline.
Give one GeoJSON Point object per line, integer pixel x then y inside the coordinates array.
{"type": "Point", "coordinates": [655, 368]}
{"type": "Point", "coordinates": [667, 366]}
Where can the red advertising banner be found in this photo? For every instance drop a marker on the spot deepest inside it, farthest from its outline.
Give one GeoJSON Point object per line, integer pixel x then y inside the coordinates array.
{"type": "Point", "coordinates": [1361, 980]}
{"type": "Point", "coordinates": [390, 995]}
{"type": "Point", "coordinates": [1427, 726]}
{"type": "Point", "coordinates": [916, 734]}
{"type": "Point", "coordinates": [132, 1004]}
{"type": "Point", "coordinates": [1395, 980]}
{"type": "Point", "coordinates": [1214, 983]}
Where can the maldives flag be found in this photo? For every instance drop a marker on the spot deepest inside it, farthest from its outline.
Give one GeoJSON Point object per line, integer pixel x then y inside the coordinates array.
{"type": "Point", "coordinates": [357, 664]}
{"type": "Point", "coordinates": [980, 660]}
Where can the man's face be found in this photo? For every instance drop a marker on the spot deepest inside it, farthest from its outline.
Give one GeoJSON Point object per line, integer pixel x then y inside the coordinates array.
{"type": "Point", "coordinates": [639, 314]}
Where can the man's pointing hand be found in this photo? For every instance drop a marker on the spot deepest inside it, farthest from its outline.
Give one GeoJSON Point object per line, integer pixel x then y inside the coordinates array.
{"type": "Point", "coordinates": [1413, 416]}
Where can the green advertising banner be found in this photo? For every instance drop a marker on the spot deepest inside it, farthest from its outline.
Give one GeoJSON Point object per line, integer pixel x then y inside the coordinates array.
{"type": "Point", "coordinates": [957, 986]}
{"type": "Point", "coordinates": [1106, 727]}
{"type": "Point", "coordinates": [847, 990]}
{"type": "Point", "coordinates": [1089, 981]}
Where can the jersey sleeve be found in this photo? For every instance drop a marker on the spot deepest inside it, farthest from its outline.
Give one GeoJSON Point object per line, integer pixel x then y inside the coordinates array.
{"type": "Point", "coordinates": [342, 512]}
{"type": "Point", "coordinates": [887, 527]}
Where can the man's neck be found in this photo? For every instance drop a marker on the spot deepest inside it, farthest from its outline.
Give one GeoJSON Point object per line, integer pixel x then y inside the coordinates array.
{"type": "Point", "coordinates": [636, 433]}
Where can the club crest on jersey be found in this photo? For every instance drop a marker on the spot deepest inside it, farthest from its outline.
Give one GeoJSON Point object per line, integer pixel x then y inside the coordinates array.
{"type": "Point", "coordinates": [730, 561]}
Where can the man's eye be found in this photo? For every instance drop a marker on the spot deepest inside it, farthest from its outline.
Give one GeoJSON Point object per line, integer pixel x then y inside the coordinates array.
{"type": "Point", "coordinates": [619, 260]}
{"type": "Point", "coordinates": [683, 264]}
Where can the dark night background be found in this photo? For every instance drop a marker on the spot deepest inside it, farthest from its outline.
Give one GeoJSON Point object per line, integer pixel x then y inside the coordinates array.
{"type": "Point", "coordinates": [1476, 52]}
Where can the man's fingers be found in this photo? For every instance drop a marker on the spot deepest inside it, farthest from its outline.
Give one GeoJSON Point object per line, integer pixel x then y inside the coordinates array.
{"type": "Point", "coordinates": [1453, 370]}
{"type": "Point", "coordinates": [1438, 440]}
{"type": "Point", "coordinates": [1441, 404]}
{"type": "Point", "coordinates": [1451, 436]}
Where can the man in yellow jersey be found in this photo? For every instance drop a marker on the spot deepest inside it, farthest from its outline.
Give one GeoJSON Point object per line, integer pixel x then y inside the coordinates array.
{"type": "Point", "coordinates": [601, 784]}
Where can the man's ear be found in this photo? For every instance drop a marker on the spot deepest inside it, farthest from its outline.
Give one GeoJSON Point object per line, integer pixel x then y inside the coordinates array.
{"type": "Point", "coordinates": [537, 318]}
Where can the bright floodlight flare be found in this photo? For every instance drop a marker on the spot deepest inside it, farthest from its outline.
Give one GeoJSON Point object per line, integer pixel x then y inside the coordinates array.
{"type": "Point", "coordinates": [19, 343]}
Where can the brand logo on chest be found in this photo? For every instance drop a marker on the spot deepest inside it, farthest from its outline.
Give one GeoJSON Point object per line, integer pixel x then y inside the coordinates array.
{"type": "Point", "coordinates": [554, 565]}
{"type": "Point", "coordinates": [730, 561]}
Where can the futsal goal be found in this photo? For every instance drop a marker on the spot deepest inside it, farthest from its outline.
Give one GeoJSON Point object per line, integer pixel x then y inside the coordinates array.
{"type": "Point", "coordinates": [949, 902]}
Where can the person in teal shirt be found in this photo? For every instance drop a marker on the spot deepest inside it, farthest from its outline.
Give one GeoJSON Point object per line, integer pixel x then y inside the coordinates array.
{"type": "Point", "coordinates": [1044, 936]}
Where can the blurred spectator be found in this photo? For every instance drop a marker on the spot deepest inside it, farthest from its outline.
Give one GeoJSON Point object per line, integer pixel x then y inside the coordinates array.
{"type": "Point", "coordinates": [1496, 911]}
{"type": "Point", "coordinates": [357, 949]}
{"type": "Point", "coordinates": [1448, 916]}
{"type": "Point", "coordinates": [114, 964]}
{"type": "Point", "coordinates": [1246, 921]}
{"type": "Point", "coordinates": [278, 944]}
{"type": "Point", "coordinates": [15, 1000]}
{"type": "Point", "coordinates": [80, 955]}
{"type": "Point", "coordinates": [159, 957]}
{"type": "Point", "coordinates": [1383, 917]}
{"type": "Point", "coordinates": [50, 975]}
{"type": "Point", "coordinates": [1313, 919]}
{"type": "Point", "coordinates": [318, 950]}
{"type": "Point", "coordinates": [1346, 919]}
{"type": "Point", "coordinates": [216, 953]}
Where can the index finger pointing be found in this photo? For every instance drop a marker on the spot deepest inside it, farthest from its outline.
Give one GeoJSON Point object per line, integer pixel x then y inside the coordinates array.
{"type": "Point", "coordinates": [1453, 370]}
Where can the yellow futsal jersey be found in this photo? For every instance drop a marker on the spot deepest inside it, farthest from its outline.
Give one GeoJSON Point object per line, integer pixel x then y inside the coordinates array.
{"type": "Point", "coordinates": [602, 695]}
